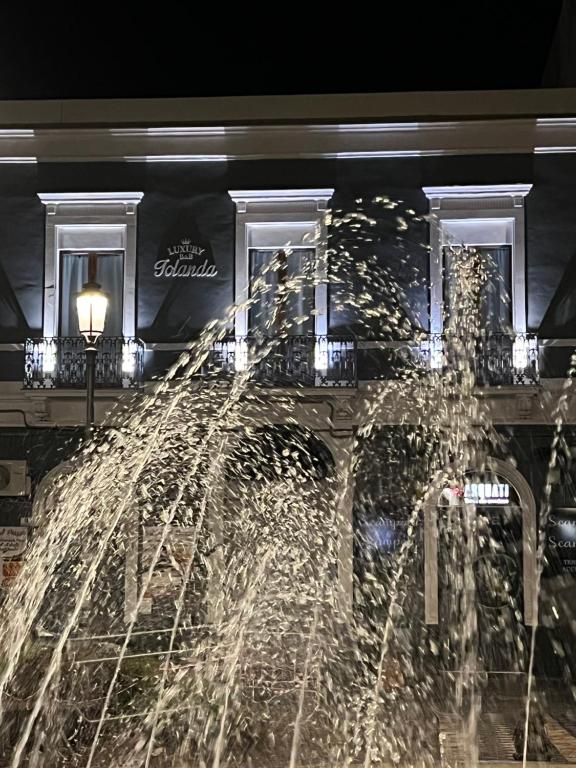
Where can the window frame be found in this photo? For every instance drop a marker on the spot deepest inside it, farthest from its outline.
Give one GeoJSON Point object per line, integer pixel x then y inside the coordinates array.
{"type": "Point", "coordinates": [508, 285]}
{"type": "Point", "coordinates": [299, 331]}
{"type": "Point", "coordinates": [276, 219]}
{"type": "Point", "coordinates": [85, 221]}
{"type": "Point", "coordinates": [478, 215]}
{"type": "Point", "coordinates": [108, 251]}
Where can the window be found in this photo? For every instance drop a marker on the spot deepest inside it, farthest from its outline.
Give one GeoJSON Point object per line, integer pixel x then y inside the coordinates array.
{"type": "Point", "coordinates": [272, 310]}
{"type": "Point", "coordinates": [73, 275]}
{"type": "Point", "coordinates": [286, 226]}
{"type": "Point", "coordinates": [492, 268]}
{"type": "Point", "coordinates": [490, 218]}
{"type": "Point", "coordinates": [79, 223]}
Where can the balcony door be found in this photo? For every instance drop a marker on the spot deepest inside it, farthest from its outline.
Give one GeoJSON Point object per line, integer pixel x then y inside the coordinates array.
{"type": "Point", "coordinates": [282, 291]}
{"type": "Point", "coordinates": [490, 268]}
{"type": "Point", "coordinates": [477, 290]}
{"type": "Point", "coordinates": [480, 527]}
{"type": "Point", "coordinates": [73, 275]}
{"type": "Point", "coordinates": [293, 221]}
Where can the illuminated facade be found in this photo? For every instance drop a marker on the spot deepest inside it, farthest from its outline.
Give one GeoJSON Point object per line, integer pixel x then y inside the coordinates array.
{"type": "Point", "coordinates": [184, 202]}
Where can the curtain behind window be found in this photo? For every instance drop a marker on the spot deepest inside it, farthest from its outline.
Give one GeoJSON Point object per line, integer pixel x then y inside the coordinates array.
{"type": "Point", "coordinates": [73, 275]}
{"type": "Point", "coordinates": [495, 307]}
{"type": "Point", "coordinates": [299, 303]}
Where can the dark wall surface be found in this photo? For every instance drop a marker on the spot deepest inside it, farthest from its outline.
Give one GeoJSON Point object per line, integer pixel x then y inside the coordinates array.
{"type": "Point", "coordinates": [21, 253]}
{"type": "Point", "coordinates": [172, 307]}
{"type": "Point", "coordinates": [190, 199]}
{"type": "Point", "coordinates": [43, 449]}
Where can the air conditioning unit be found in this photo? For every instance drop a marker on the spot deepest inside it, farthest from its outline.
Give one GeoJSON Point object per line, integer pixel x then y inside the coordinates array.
{"type": "Point", "coordinates": [14, 480]}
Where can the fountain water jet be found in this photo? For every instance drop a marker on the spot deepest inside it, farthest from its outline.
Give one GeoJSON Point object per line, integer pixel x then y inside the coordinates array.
{"type": "Point", "coordinates": [253, 656]}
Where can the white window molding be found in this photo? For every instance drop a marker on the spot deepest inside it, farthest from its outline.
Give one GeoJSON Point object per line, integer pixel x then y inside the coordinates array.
{"type": "Point", "coordinates": [478, 215]}
{"type": "Point", "coordinates": [90, 221]}
{"type": "Point", "coordinates": [280, 219]}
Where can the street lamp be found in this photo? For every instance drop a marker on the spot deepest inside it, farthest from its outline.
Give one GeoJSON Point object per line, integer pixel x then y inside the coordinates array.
{"type": "Point", "coordinates": [91, 305]}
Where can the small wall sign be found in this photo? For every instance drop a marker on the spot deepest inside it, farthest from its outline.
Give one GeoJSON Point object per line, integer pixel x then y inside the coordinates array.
{"type": "Point", "coordinates": [187, 258]}
{"type": "Point", "coordinates": [487, 493]}
{"type": "Point", "coordinates": [561, 538]}
{"type": "Point", "coordinates": [480, 490]}
{"type": "Point", "coordinates": [13, 541]}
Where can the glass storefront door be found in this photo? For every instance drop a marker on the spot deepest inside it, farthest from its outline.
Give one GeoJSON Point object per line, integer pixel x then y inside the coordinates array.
{"type": "Point", "coordinates": [480, 566]}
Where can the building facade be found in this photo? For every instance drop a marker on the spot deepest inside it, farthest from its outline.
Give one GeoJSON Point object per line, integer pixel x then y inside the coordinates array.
{"type": "Point", "coordinates": [185, 202]}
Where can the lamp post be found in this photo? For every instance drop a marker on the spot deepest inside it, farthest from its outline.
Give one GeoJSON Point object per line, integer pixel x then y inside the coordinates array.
{"type": "Point", "coordinates": [91, 305]}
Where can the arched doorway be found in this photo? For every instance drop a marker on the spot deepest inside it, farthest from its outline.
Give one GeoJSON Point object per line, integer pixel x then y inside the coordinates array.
{"type": "Point", "coordinates": [48, 491]}
{"type": "Point", "coordinates": [273, 529]}
{"type": "Point", "coordinates": [516, 496]}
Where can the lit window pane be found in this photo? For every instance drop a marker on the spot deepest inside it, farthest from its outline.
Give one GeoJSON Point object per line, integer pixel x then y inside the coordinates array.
{"type": "Point", "coordinates": [73, 275]}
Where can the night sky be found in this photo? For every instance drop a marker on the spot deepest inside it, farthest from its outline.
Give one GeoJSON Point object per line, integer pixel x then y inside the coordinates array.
{"type": "Point", "coordinates": [113, 51]}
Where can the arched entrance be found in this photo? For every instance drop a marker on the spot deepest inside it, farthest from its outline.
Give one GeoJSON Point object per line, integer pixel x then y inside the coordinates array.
{"type": "Point", "coordinates": [48, 490]}
{"type": "Point", "coordinates": [257, 467]}
{"type": "Point", "coordinates": [518, 493]}
{"type": "Point", "coordinates": [273, 508]}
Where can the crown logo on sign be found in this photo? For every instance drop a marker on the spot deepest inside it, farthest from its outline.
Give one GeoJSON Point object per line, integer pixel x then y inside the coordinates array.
{"type": "Point", "coordinates": [186, 241]}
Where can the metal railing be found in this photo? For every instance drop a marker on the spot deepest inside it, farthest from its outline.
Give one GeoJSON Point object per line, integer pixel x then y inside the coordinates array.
{"type": "Point", "coordinates": [294, 361]}
{"type": "Point", "coordinates": [499, 359]}
{"type": "Point", "coordinates": [61, 362]}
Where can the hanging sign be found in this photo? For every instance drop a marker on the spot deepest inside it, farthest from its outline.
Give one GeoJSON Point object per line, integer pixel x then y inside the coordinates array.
{"type": "Point", "coordinates": [384, 535]}
{"type": "Point", "coordinates": [169, 569]}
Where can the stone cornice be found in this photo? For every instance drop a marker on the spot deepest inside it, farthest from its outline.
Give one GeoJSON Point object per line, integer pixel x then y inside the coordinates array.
{"type": "Point", "coordinates": [251, 142]}
{"type": "Point", "coordinates": [309, 108]}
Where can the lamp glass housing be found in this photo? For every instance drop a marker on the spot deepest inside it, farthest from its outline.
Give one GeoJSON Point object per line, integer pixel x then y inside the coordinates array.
{"type": "Point", "coordinates": [91, 305]}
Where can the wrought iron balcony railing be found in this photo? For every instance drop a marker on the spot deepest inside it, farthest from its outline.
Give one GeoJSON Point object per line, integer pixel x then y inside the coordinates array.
{"type": "Point", "coordinates": [499, 359]}
{"type": "Point", "coordinates": [294, 361]}
{"type": "Point", "coordinates": [61, 362]}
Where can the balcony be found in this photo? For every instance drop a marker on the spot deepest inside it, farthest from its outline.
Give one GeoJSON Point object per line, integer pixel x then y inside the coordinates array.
{"type": "Point", "coordinates": [61, 362]}
{"type": "Point", "coordinates": [329, 361]}
{"type": "Point", "coordinates": [500, 359]}
{"type": "Point", "coordinates": [295, 361]}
